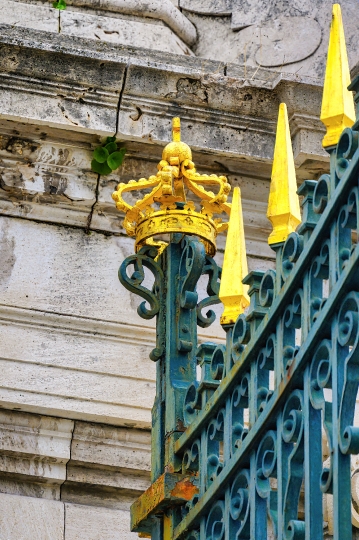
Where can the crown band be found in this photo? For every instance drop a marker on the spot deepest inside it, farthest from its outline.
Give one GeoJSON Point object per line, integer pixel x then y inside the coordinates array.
{"type": "Point", "coordinates": [177, 221]}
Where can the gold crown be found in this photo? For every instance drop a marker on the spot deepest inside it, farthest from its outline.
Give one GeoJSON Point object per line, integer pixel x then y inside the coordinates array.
{"type": "Point", "coordinates": [173, 212]}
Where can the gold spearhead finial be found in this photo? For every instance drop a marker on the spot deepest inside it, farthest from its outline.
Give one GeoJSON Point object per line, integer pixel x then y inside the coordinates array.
{"type": "Point", "coordinates": [283, 205]}
{"type": "Point", "coordinates": [337, 106]}
{"type": "Point", "coordinates": [233, 293]}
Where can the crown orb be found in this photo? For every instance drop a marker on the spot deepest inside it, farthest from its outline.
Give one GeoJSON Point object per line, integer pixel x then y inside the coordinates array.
{"type": "Point", "coordinates": [179, 150]}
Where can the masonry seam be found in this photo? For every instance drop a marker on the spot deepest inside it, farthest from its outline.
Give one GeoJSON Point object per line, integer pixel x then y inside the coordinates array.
{"type": "Point", "coordinates": [97, 189]}
{"type": "Point", "coordinates": [121, 95]}
{"type": "Point", "coordinates": [89, 217]}
{"type": "Point", "coordinates": [66, 474]}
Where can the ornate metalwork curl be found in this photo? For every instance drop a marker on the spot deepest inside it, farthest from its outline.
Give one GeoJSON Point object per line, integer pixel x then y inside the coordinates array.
{"type": "Point", "coordinates": [239, 401]}
{"type": "Point", "coordinates": [266, 468]}
{"type": "Point", "coordinates": [348, 339]}
{"type": "Point", "coordinates": [293, 436]}
{"type": "Point", "coordinates": [292, 249]}
{"type": "Point", "coordinates": [320, 379]}
{"type": "Point", "coordinates": [145, 258]}
{"type": "Point", "coordinates": [212, 270]}
{"type": "Point", "coordinates": [190, 269]}
{"type": "Point", "coordinates": [215, 527]}
{"type": "Point", "coordinates": [240, 337]}
{"type": "Point", "coordinates": [267, 288]}
{"type": "Point", "coordinates": [239, 507]}
{"type": "Point", "coordinates": [191, 459]}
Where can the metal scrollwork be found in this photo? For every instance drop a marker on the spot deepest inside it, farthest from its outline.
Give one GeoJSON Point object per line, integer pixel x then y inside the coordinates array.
{"type": "Point", "coordinates": [347, 145]}
{"type": "Point", "coordinates": [348, 339]}
{"type": "Point", "coordinates": [321, 379]}
{"type": "Point", "coordinates": [215, 435]}
{"type": "Point", "coordinates": [241, 336]}
{"type": "Point", "coordinates": [192, 261]}
{"type": "Point", "coordinates": [321, 194]}
{"type": "Point", "coordinates": [215, 525]}
{"type": "Point", "coordinates": [218, 363]}
{"type": "Point", "coordinates": [266, 468]}
{"type": "Point", "coordinates": [292, 320]}
{"type": "Point", "coordinates": [293, 436]}
{"type": "Point", "coordinates": [145, 258]}
{"type": "Point", "coordinates": [239, 507]}
{"type": "Point", "coordinates": [239, 402]}
{"type": "Point", "coordinates": [292, 249]}
{"type": "Point", "coordinates": [191, 458]}
{"type": "Point", "coordinates": [214, 274]}
{"type": "Point", "coordinates": [190, 270]}
{"type": "Point", "coordinates": [191, 404]}
{"type": "Point", "coordinates": [267, 289]}
{"type": "Point", "coordinates": [270, 421]}
{"type": "Point", "coordinates": [318, 275]}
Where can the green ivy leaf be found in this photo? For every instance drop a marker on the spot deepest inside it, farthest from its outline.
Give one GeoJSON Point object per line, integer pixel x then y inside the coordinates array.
{"type": "Point", "coordinates": [100, 168]}
{"type": "Point", "coordinates": [111, 139]}
{"type": "Point", "coordinates": [60, 4]}
{"type": "Point", "coordinates": [111, 147]}
{"type": "Point", "coordinates": [101, 154]}
{"type": "Point", "coordinates": [116, 159]}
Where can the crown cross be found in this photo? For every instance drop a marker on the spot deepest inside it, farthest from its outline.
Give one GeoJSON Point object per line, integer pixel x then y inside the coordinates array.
{"type": "Point", "coordinates": [165, 208]}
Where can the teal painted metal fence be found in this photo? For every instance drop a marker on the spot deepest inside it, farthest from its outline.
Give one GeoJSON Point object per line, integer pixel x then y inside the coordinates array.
{"type": "Point", "coordinates": [249, 434]}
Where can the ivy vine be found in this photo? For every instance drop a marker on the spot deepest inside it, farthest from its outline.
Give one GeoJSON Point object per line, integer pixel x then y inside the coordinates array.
{"type": "Point", "coordinates": [107, 157]}
{"type": "Point", "coordinates": [60, 4]}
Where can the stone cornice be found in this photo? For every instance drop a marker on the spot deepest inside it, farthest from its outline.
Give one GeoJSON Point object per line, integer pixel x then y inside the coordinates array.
{"type": "Point", "coordinates": [224, 110]}
{"type": "Point", "coordinates": [155, 9]}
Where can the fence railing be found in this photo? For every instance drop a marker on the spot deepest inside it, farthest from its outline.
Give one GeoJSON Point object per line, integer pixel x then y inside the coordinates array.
{"type": "Point", "coordinates": [249, 449]}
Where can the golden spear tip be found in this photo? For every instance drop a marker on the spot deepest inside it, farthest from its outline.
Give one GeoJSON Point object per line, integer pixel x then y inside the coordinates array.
{"type": "Point", "coordinates": [233, 293]}
{"type": "Point", "coordinates": [338, 110]}
{"type": "Point", "coordinates": [283, 205]}
{"type": "Point", "coordinates": [176, 129]}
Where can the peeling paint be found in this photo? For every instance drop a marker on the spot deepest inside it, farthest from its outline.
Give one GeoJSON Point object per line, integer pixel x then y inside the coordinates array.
{"type": "Point", "coordinates": [184, 489]}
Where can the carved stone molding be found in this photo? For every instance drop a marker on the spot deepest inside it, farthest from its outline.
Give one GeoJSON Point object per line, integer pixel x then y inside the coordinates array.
{"type": "Point", "coordinates": [155, 9]}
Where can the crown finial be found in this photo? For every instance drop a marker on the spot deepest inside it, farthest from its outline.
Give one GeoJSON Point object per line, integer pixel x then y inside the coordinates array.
{"type": "Point", "coordinates": [283, 205]}
{"type": "Point", "coordinates": [176, 129]}
{"type": "Point", "coordinates": [233, 293]}
{"type": "Point", "coordinates": [337, 106]}
{"type": "Point", "coordinates": [165, 208]}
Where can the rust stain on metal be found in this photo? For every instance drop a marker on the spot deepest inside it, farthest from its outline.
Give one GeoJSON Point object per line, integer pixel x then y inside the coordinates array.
{"type": "Point", "coordinates": [168, 490]}
{"type": "Point", "coordinates": [184, 489]}
{"type": "Point", "coordinates": [152, 497]}
{"type": "Point", "coordinates": [180, 425]}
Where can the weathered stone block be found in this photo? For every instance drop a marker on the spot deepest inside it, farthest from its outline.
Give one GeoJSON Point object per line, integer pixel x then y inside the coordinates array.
{"type": "Point", "coordinates": [57, 373]}
{"type": "Point", "coordinates": [34, 451]}
{"type": "Point", "coordinates": [26, 15]}
{"type": "Point", "coordinates": [35, 174]}
{"type": "Point", "coordinates": [123, 31]}
{"type": "Point", "coordinates": [90, 523]}
{"type": "Point", "coordinates": [59, 89]}
{"type": "Point", "coordinates": [27, 518]}
{"type": "Point", "coordinates": [112, 447]}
